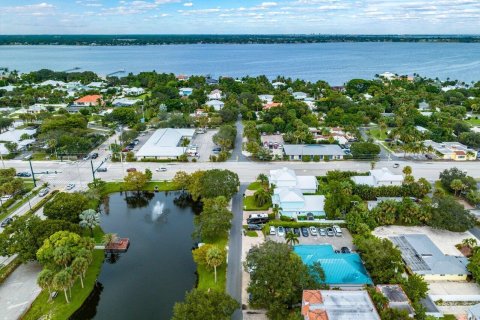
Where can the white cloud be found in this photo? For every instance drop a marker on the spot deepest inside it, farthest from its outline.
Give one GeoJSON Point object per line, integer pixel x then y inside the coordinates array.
{"type": "Point", "coordinates": [188, 4]}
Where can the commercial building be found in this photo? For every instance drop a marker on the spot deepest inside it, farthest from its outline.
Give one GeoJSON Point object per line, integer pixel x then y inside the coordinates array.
{"type": "Point", "coordinates": [338, 305]}
{"type": "Point", "coordinates": [452, 150]}
{"type": "Point", "coordinates": [324, 151]}
{"type": "Point", "coordinates": [165, 144]}
{"type": "Point", "coordinates": [422, 257]}
{"type": "Point", "coordinates": [378, 178]}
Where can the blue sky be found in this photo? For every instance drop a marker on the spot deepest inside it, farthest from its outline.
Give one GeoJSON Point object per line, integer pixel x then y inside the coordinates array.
{"type": "Point", "coordinates": [240, 16]}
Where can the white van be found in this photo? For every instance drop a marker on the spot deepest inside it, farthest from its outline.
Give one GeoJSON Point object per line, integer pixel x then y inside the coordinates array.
{"type": "Point", "coordinates": [338, 231]}
{"type": "Point", "coordinates": [272, 231]}
{"type": "Point", "coordinates": [258, 216]}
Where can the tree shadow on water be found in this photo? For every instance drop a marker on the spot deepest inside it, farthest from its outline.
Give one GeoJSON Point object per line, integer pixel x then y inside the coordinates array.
{"type": "Point", "coordinates": [89, 308]}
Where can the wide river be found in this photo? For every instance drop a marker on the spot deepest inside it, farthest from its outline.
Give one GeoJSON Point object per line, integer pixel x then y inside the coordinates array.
{"type": "Point", "coordinates": [333, 62]}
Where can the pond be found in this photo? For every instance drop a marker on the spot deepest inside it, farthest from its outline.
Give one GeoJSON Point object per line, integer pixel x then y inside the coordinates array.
{"type": "Point", "coordinates": [156, 271]}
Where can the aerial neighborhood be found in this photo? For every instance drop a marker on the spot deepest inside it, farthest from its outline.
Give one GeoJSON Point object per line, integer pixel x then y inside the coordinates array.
{"type": "Point", "coordinates": [283, 198]}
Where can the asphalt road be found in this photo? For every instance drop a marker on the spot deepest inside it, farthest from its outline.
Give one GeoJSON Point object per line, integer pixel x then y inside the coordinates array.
{"type": "Point", "coordinates": [234, 269]}
{"type": "Point", "coordinates": [237, 154]}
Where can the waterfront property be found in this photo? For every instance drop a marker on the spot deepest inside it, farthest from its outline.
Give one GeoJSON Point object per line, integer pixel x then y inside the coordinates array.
{"type": "Point", "coordinates": [378, 178]}
{"type": "Point", "coordinates": [422, 256]}
{"type": "Point", "coordinates": [341, 269]}
{"type": "Point", "coordinates": [165, 144]}
{"type": "Point", "coordinates": [452, 150]}
{"type": "Point", "coordinates": [338, 305]}
{"type": "Point", "coordinates": [324, 151]}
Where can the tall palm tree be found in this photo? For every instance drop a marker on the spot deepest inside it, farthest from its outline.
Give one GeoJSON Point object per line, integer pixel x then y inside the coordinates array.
{"type": "Point", "coordinates": [292, 238]}
{"type": "Point", "coordinates": [214, 258]}
{"type": "Point", "coordinates": [79, 268]}
{"type": "Point", "coordinates": [62, 281]}
{"type": "Point", "coordinates": [45, 281]}
{"type": "Point", "coordinates": [62, 256]}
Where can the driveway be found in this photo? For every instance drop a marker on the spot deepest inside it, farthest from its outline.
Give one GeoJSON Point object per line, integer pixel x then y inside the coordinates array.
{"type": "Point", "coordinates": [19, 291]}
{"type": "Point", "coordinates": [234, 269]}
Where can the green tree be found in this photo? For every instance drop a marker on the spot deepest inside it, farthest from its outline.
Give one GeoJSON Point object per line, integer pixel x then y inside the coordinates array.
{"type": "Point", "coordinates": [217, 183]}
{"type": "Point", "coordinates": [415, 287]}
{"type": "Point", "coordinates": [291, 239]}
{"type": "Point", "coordinates": [263, 179]}
{"type": "Point", "coordinates": [215, 220]}
{"type": "Point", "coordinates": [12, 147]}
{"type": "Point", "coordinates": [474, 265]}
{"type": "Point", "coordinates": [214, 258]}
{"type": "Point", "coordinates": [450, 215]}
{"type": "Point", "coordinates": [148, 174]}
{"type": "Point", "coordinates": [66, 206]}
{"type": "Point", "coordinates": [135, 180]}
{"type": "Point", "coordinates": [205, 305]}
{"type": "Point", "coordinates": [407, 170]}
{"type": "Point", "coordinates": [225, 137]}
{"type": "Point", "coordinates": [109, 238]}
{"type": "Point", "coordinates": [89, 219]}
{"type": "Point", "coordinates": [456, 185]}
{"type": "Point", "coordinates": [261, 197]}
{"type": "Point", "coordinates": [80, 267]}
{"type": "Point", "coordinates": [45, 281]}
{"type": "Point", "coordinates": [62, 281]}
{"type": "Point", "coordinates": [364, 150]}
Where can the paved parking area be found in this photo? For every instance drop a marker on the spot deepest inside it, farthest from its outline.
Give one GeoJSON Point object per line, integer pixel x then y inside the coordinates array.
{"type": "Point", "coordinates": [205, 145]}
{"type": "Point", "coordinates": [337, 242]}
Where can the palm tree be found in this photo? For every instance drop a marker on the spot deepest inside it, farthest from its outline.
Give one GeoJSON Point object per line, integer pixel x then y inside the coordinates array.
{"type": "Point", "coordinates": [261, 197]}
{"type": "Point", "coordinates": [292, 238]}
{"type": "Point", "coordinates": [456, 185]}
{"type": "Point", "coordinates": [214, 258]}
{"type": "Point", "coordinates": [79, 267]}
{"type": "Point", "coordinates": [62, 256]}
{"type": "Point", "coordinates": [407, 170]}
{"type": "Point", "coordinates": [275, 210]}
{"type": "Point", "coordinates": [469, 242]}
{"type": "Point", "coordinates": [263, 179]}
{"type": "Point", "coordinates": [62, 281]}
{"type": "Point", "coordinates": [89, 219]}
{"type": "Point", "coordinates": [45, 281]}
{"type": "Point", "coordinates": [109, 238]}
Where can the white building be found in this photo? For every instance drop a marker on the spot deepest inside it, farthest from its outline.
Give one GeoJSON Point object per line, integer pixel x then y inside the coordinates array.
{"type": "Point", "coordinates": [185, 92]}
{"type": "Point", "coordinates": [215, 95]}
{"type": "Point", "coordinates": [286, 178]}
{"type": "Point", "coordinates": [378, 178]}
{"type": "Point", "coordinates": [216, 104]}
{"type": "Point", "coordinates": [52, 83]}
{"type": "Point", "coordinates": [133, 91]}
{"type": "Point", "coordinates": [165, 144]}
{"type": "Point", "coordinates": [299, 95]}
{"type": "Point", "coordinates": [266, 98]}
{"type": "Point", "coordinates": [388, 76]}
{"type": "Point", "coordinates": [278, 84]}
{"type": "Point", "coordinates": [124, 102]}
{"type": "Point", "coordinates": [16, 135]}
{"type": "Point", "coordinates": [452, 150]}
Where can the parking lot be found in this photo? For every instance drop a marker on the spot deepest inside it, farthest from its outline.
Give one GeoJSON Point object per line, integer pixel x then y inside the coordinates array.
{"type": "Point", "coordinates": [337, 242]}
{"type": "Point", "coordinates": [205, 145]}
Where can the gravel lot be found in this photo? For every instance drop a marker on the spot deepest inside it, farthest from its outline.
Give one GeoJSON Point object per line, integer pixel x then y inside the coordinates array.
{"type": "Point", "coordinates": [444, 240]}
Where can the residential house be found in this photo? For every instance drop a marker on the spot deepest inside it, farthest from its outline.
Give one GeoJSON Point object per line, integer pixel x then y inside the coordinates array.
{"type": "Point", "coordinates": [215, 104]}
{"type": "Point", "coordinates": [210, 81]}
{"type": "Point", "coordinates": [452, 150]}
{"type": "Point", "coordinates": [422, 130]}
{"type": "Point", "coordinates": [397, 299]}
{"type": "Point", "coordinates": [185, 92]}
{"type": "Point", "coordinates": [215, 95]}
{"type": "Point", "coordinates": [294, 204]}
{"type": "Point", "coordinates": [182, 77]}
{"type": "Point", "coordinates": [338, 305]}
{"type": "Point", "coordinates": [277, 85]}
{"type": "Point", "coordinates": [8, 88]}
{"type": "Point", "coordinates": [22, 137]}
{"type": "Point", "coordinates": [165, 144]}
{"type": "Point", "coordinates": [124, 102]}
{"type": "Point", "coordinates": [378, 178]}
{"type": "Point", "coordinates": [423, 106]}
{"type": "Point", "coordinates": [324, 151]}
{"type": "Point", "coordinates": [299, 95]}
{"type": "Point", "coordinates": [422, 257]}
{"type": "Point", "coordinates": [52, 83]}
{"type": "Point", "coordinates": [266, 98]}
{"type": "Point", "coordinates": [388, 76]}
{"type": "Point", "coordinates": [92, 100]}
{"type": "Point", "coordinates": [286, 178]}
{"type": "Point", "coordinates": [268, 106]}
{"type": "Point", "coordinates": [134, 91]}
{"type": "Point", "coordinates": [96, 84]}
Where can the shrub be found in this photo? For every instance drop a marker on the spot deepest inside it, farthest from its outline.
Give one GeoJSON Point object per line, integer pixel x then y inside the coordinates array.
{"type": "Point", "coordinates": [213, 158]}
{"type": "Point", "coordinates": [306, 158]}
{"type": "Point", "coordinates": [316, 158]}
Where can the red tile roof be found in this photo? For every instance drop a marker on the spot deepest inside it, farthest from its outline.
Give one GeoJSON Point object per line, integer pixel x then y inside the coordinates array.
{"type": "Point", "coordinates": [312, 297]}
{"type": "Point", "coordinates": [93, 98]}
{"type": "Point", "coordinates": [271, 105]}
{"type": "Point", "coordinates": [460, 153]}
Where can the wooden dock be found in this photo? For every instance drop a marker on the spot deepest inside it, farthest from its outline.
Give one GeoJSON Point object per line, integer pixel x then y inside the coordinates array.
{"type": "Point", "coordinates": [121, 245]}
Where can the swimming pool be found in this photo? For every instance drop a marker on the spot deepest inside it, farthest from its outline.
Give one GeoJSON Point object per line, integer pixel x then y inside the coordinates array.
{"type": "Point", "coordinates": [339, 268]}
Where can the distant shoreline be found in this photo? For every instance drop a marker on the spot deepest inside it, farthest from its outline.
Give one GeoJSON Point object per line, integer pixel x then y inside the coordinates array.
{"type": "Point", "coordinates": [138, 40]}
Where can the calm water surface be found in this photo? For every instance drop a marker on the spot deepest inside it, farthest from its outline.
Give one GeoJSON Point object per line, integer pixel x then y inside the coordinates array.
{"type": "Point", "coordinates": [333, 62]}
{"type": "Point", "coordinates": [147, 280]}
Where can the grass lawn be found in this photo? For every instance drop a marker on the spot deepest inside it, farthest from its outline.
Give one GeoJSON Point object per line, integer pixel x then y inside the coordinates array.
{"type": "Point", "coordinates": [378, 134]}
{"type": "Point", "coordinates": [249, 204]}
{"type": "Point", "coordinates": [206, 276]}
{"type": "Point", "coordinates": [112, 187]}
{"type": "Point", "coordinates": [473, 121]}
{"type": "Point", "coordinates": [58, 308]}
{"type": "Point", "coordinates": [255, 185]}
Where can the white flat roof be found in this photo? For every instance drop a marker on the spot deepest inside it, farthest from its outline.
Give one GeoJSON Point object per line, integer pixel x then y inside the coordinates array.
{"type": "Point", "coordinates": [165, 143]}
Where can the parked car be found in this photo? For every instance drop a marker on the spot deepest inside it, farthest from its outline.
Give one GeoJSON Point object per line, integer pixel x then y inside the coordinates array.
{"type": "Point", "coordinates": [345, 250]}
{"type": "Point", "coordinates": [257, 220]}
{"type": "Point", "coordinates": [70, 186]}
{"type": "Point", "coordinates": [281, 231]}
{"type": "Point", "coordinates": [304, 231]}
{"type": "Point", "coordinates": [313, 231]}
{"type": "Point", "coordinates": [131, 170]}
{"type": "Point", "coordinates": [338, 231]}
{"type": "Point", "coordinates": [396, 165]}
{"type": "Point", "coordinates": [102, 169]}
{"type": "Point", "coordinates": [272, 231]}
{"type": "Point", "coordinates": [254, 227]}
{"type": "Point", "coordinates": [162, 169]}
{"type": "Point", "coordinates": [322, 232]}
{"type": "Point", "coordinates": [24, 174]}
{"type": "Point", "coordinates": [43, 192]}
{"type": "Point", "coordinates": [330, 232]}
{"type": "Point", "coordinates": [94, 155]}
{"type": "Point", "coordinates": [296, 231]}
{"type": "Point", "coordinates": [6, 222]}
{"type": "Point", "coordinates": [135, 141]}
{"type": "Point", "coordinates": [87, 157]}
{"type": "Point", "coordinates": [258, 216]}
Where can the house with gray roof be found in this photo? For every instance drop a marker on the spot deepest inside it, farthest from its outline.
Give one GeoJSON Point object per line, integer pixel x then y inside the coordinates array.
{"type": "Point", "coordinates": [422, 256]}
{"type": "Point", "coordinates": [474, 312]}
{"type": "Point", "coordinates": [397, 299]}
{"type": "Point", "coordinates": [378, 178]}
{"type": "Point", "coordinates": [324, 151]}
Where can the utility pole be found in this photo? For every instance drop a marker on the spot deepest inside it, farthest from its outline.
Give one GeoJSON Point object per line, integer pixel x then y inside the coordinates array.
{"type": "Point", "coordinates": [93, 173]}
{"type": "Point", "coordinates": [33, 173]}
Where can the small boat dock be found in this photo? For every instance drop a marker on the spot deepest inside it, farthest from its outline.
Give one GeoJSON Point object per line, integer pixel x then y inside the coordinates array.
{"type": "Point", "coordinates": [120, 245]}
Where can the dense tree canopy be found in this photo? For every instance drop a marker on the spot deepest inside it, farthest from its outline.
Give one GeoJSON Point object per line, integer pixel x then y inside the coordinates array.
{"type": "Point", "coordinates": [205, 305]}
{"type": "Point", "coordinates": [66, 206]}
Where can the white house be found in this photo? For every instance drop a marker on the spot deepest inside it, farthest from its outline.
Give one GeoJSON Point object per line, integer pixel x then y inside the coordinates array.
{"type": "Point", "coordinates": [96, 84]}
{"type": "Point", "coordinates": [388, 76]}
{"type": "Point", "coordinates": [215, 95]}
{"type": "Point", "coordinates": [16, 135]}
{"type": "Point", "coordinates": [133, 91]}
{"type": "Point", "coordinates": [286, 178]}
{"type": "Point", "coordinates": [52, 83]}
{"type": "Point", "coordinates": [215, 104]}
{"type": "Point", "coordinates": [379, 177]}
{"type": "Point", "coordinates": [278, 84]}
{"type": "Point", "coordinates": [266, 98]}
{"type": "Point", "coordinates": [299, 95]}
{"type": "Point", "coordinates": [8, 88]}
{"type": "Point", "coordinates": [124, 102]}
{"type": "Point", "coordinates": [165, 144]}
